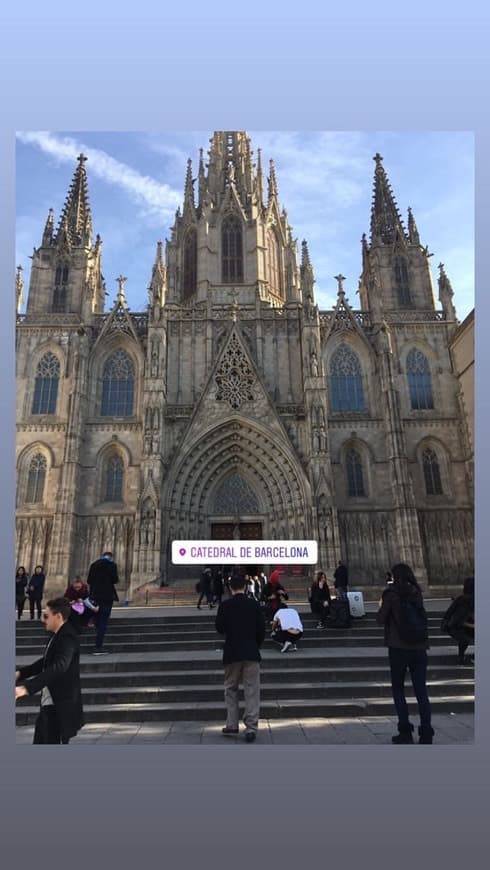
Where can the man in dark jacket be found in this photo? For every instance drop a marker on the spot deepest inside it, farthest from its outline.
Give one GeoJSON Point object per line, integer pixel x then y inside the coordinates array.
{"type": "Point", "coordinates": [241, 621]}
{"type": "Point", "coordinates": [406, 637]}
{"type": "Point", "coordinates": [102, 579]}
{"type": "Point", "coordinates": [341, 579]}
{"type": "Point", "coordinates": [57, 676]}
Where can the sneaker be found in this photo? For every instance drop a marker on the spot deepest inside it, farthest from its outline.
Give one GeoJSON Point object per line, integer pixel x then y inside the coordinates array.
{"type": "Point", "coordinates": [250, 736]}
{"type": "Point", "coordinates": [294, 648]}
{"type": "Point", "coordinates": [319, 625]}
{"type": "Point", "coordinates": [100, 652]}
{"type": "Point", "coordinates": [229, 732]}
{"type": "Point", "coordinates": [427, 738]}
{"type": "Point", "coordinates": [285, 648]}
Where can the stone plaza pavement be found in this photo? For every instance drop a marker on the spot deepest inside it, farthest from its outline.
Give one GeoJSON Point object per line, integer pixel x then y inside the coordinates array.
{"type": "Point", "coordinates": [450, 729]}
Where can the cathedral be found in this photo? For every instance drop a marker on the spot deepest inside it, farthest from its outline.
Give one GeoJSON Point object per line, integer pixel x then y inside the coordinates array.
{"type": "Point", "coordinates": [232, 406]}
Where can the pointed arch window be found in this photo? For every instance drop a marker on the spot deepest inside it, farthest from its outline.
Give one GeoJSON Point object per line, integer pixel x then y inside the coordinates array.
{"type": "Point", "coordinates": [46, 385]}
{"type": "Point", "coordinates": [190, 263]}
{"type": "Point", "coordinates": [346, 381]}
{"type": "Point", "coordinates": [36, 479]}
{"type": "Point", "coordinates": [60, 295]}
{"type": "Point", "coordinates": [114, 479]}
{"type": "Point", "coordinates": [432, 472]}
{"type": "Point", "coordinates": [232, 250]}
{"type": "Point", "coordinates": [274, 261]}
{"type": "Point", "coordinates": [401, 282]}
{"type": "Point", "coordinates": [355, 476]}
{"type": "Point", "coordinates": [118, 386]}
{"type": "Point", "coordinates": [419, 381]}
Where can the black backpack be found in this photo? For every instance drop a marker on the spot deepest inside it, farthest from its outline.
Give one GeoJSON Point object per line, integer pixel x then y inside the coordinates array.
{"type": "Point", "coordinates": [413, 626]}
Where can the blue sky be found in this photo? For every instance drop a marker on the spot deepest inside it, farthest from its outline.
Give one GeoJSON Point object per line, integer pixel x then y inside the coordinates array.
{"type": "Point", "coordinates": [325, 181]}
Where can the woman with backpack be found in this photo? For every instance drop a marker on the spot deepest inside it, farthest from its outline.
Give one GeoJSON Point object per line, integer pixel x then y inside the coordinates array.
{"type": "Point", "coordinates": [459, 619]}
{"type": "Point", "coordinates": [405, 624]}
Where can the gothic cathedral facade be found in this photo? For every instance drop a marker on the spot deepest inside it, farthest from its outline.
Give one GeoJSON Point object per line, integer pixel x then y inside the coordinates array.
{"type": "Point", "coordinates": [233, 401]}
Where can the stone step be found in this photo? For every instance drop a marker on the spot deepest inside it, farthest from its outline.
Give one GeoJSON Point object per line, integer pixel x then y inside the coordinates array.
{"type": "Point", "coordinates": [155, 632]}
{"type": "Point", "coordinates": [119, 622]}
{"type": "Point", "coordinates": [276, 674]}
{"type": "Point", "coordinates": [271, 660]}
{"type": "Point", "coordinates": [285, 708]}
{"type": "Point", "coordinates": [145, 695]}
{"type": "Point", "coordinates": [213, 645]}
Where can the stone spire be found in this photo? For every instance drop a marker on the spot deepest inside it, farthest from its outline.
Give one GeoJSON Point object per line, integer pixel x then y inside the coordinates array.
{"type": "Point", "coordinates": [260, 178]}
{"type": "Point", "coordinates": [386, 223]}
{"type": "Point", "coordinates": [446, 294]}
{"type": "Point", "coordinates": [306, 272]}
{"type": "Point", "coordinates": [272, 183]}
{"type": "Point", "coordinates": [48, 230]}
{"type": "Point", "coordinates": [201, 179]}
{"type": "Point", "coordinates": [157, 284]}
{"type": "Point", "coordinates": [413, 233]}
{"type": "Point", "coordinates": [19, 288]}
{"type": "Point", "coordinates": [189, 206]}
{"type": "Point", "coordinates": [75, 225]}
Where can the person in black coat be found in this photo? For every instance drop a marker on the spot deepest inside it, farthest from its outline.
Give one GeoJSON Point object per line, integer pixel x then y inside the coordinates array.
{"type": "Point", "coordinates": [459, 619]}
{"type": "Point", "coordinates": [240, 619]}
{"type": "Point", "coordinates": [20, 590]}
{"type": "Point", "coordinates": [320, 598]}
{"type": "Point", "coordinates": [35, 590]}
{"type": "Point", "coordinates": [205, 588]}
{"type": "Point", "coordinates": [341, 579]}
{"type": "Point", "coordinates": [404, 619]}
{"type": "Point", "coordinates": [218, 587]}
{"type": "Point", "coordinates": [57, 676]}
{"type": "Point", "coordinates": [102, 579]}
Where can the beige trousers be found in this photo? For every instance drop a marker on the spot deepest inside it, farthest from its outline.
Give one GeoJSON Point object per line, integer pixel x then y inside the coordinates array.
{"type": "Point", "coordinates": [248, 674]}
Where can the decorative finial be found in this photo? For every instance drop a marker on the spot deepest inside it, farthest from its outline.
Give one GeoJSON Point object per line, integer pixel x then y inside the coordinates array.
{"type": "Point", "coordinates": [121, 280]}
{"type": "Point", "coordinates": [19, 287]}
{"type": "Point", "coordinates": [377, 158]}
{"type": "Point", "coordinates": [82, 159]}
{"type": "Point", "coordinates": [340, 281]}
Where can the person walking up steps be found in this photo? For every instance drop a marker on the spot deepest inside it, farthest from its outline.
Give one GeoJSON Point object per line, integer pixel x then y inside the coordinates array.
{"type": "Point", "coordinates": [240, 619]}
{"type": "Point", "coordinates": [102, 579]}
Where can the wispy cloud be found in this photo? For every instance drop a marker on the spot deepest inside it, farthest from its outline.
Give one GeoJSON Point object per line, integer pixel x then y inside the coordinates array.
{"type": "Point", "coordinates": [156, 199]}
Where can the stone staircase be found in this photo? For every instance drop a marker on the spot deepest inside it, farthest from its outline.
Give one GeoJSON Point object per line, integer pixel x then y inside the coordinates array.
{"type": "Point", "coordinates": [168, 668]}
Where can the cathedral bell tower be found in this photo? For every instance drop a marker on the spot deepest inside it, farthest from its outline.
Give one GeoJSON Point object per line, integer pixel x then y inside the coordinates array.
{"type": "Point", "coordinates": [232, 237]}
{"type": "Point", "coordinates": [66, 276]}
{"type": "Point", "coordinates": [396, 272]}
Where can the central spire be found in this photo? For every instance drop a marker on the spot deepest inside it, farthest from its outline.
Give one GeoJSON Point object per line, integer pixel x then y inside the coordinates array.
{"type": "Point", "coordinates": [230, 163]}
{"type": "Point", "coordinates": [76, 220]}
